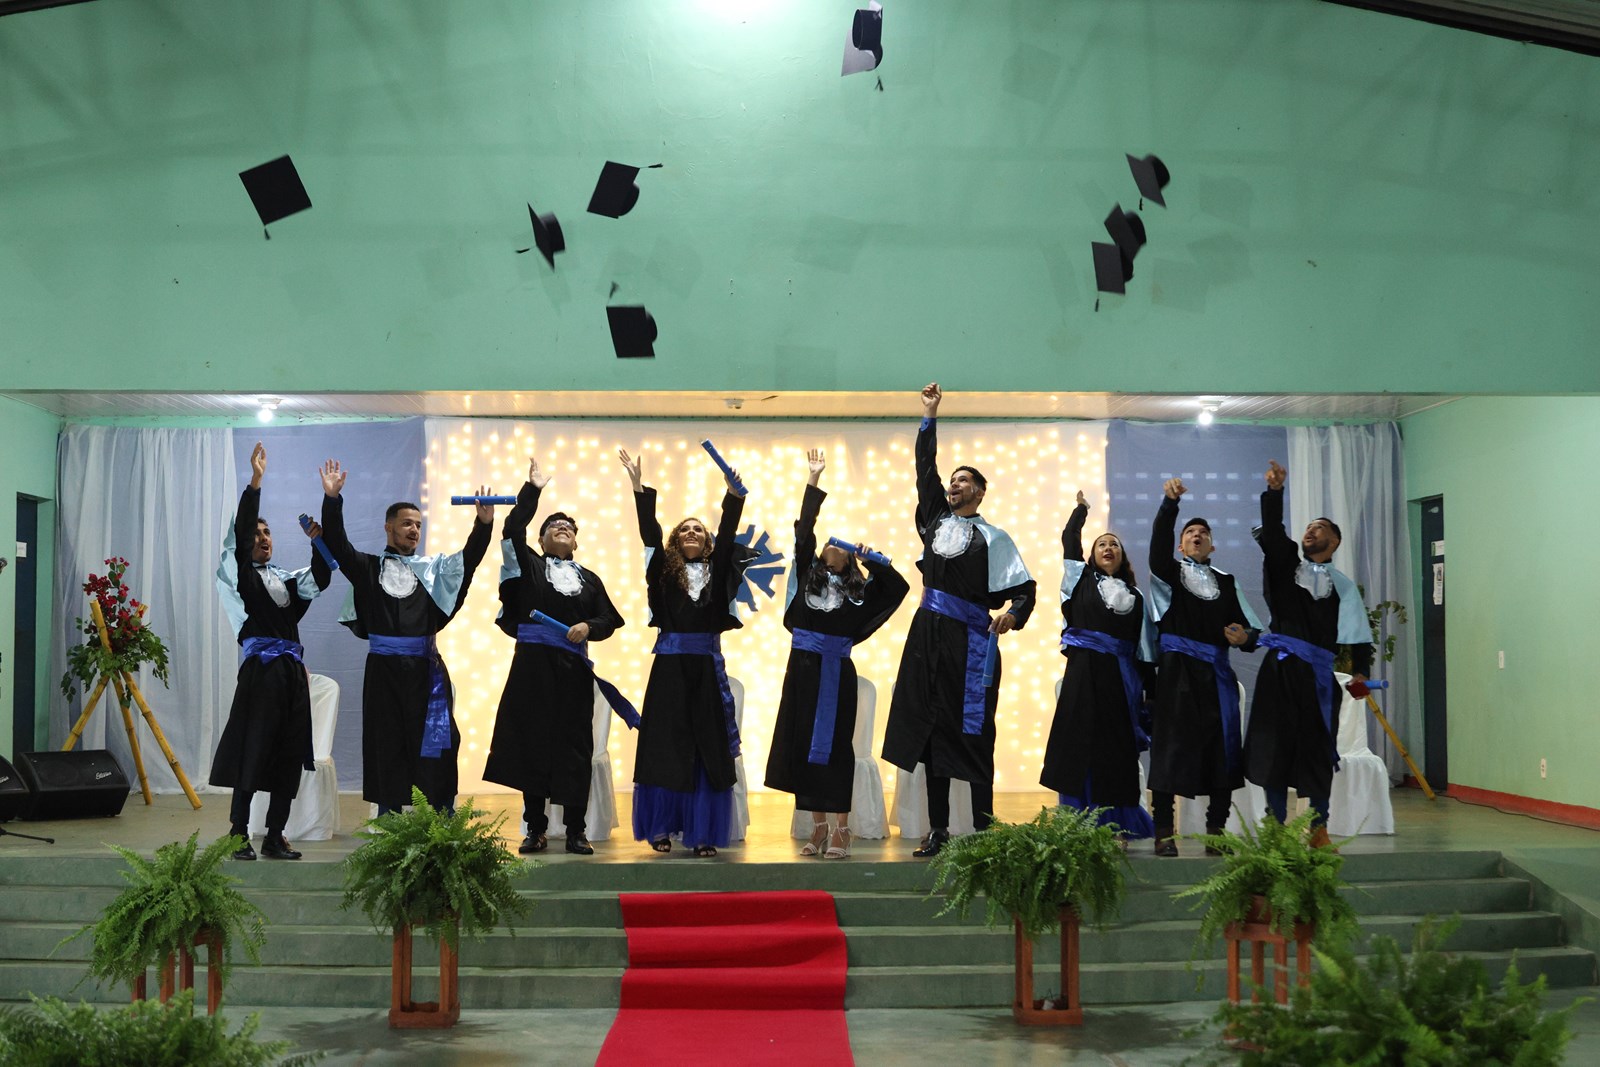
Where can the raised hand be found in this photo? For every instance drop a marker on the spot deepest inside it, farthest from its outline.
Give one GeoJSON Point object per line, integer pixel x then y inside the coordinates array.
{"type": "Point", "coordinates": [1174, 488]}
{"type": "Point", "coordinates": [314, 530]}
{"type": "Point", "coordinates": [485, 511]}
{"type": "Point", "coordinates": [538, 478]}
{"type": "Point", "coordinates": [734, 482]}
{"type": "Point", "coordinates": [816, 463]}
{"type": "Point", "coordinates": [1082, 502]}
{"type": "Point", "coordinates": [1275, 475]}
{"type": "Point", "coordinates": [631, 464]}
{"type": "Point", "coordinates": [333, 477]}
{"type": "Point", "coordinates": [258, 465]}
{"type": "Point", "coordinates": [930, 400]}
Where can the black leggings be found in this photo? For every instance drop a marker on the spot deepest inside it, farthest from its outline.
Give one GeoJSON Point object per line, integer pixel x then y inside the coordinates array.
{"type": "Point", "coordinates": [939, 803]}
{"type": "Point", "coordinates": [1163, 807]}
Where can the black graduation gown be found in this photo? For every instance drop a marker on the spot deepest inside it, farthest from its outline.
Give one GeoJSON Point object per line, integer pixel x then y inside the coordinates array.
{"type": "Point", "coordinates": [1187, 753]}
{"type": "Point", "coordinates": [1287, 743]}
{"type": "Point", "coordinates": [268, 736]}
{"type": "Point", "coordinates": [1092, 750]}
{"type": "Point", "coordinates": [925, 719]}
{"type": "Point", "coordinates": [394, 689]}
{"type": "Point", "coordinates": [543, 731]}
{"type": "Point", "coordinates": [823, 786]}
{"type": "Point", "coordinates": [683, 718]}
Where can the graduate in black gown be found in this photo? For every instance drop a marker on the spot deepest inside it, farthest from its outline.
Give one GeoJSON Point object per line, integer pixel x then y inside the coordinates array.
{"type": "Point", "coordinates": [1201, 614]}
{"type": "Point", "coordinates": [683, 772]}
{"type": "Point", "coordinates": [832, 606]}
{"type": "Point", "coordinates": [1314, 609]}
{"type": "Point", "coordinates": [544, 729]}
{"type": "Point", "coordinates": [268, 736]}
{"type": "Point", "coordinates": [399, 601]}
{"type": "Point", "coordinates": [942, 715]}
{"type": "Point", "coordinates": [1092, 757]}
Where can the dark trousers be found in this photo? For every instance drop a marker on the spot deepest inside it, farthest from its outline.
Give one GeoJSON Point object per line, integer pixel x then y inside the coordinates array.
{"type": "Point", "coordinates": [538, 819]}
{"type": "Point", "coordinates": [277, 812]}
{"type": "Point", "coordinates": [1278, 804]}
{"type": "Point", "coordinates": [939, 803]}
{"type": "Point", "coordinates": [1163, 811]}
{"type": "Point", "coordinates": [444, 805]}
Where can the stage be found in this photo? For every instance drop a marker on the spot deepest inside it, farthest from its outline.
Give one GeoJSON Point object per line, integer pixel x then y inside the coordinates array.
{"type": "Point", "coordinates": [549, 993]}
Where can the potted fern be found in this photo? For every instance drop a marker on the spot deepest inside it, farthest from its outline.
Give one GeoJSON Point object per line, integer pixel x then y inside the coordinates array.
{"type": "Point", "coordinates": [1271, 886]}
{"type": "Point", "coordinates": [1421, 1007]}
{"type": "Point", "coordinates": [442, 874]}
{"type": "Point", "coordinates": [175, 902]}
{"type": "Point", "coordinates": [1045, 875]}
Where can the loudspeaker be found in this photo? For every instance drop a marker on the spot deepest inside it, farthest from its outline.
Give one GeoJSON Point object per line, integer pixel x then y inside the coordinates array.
{"type": "Point", "coordinates": [73, 785]}
{"type": "Point", "coordinates": [13, 792]}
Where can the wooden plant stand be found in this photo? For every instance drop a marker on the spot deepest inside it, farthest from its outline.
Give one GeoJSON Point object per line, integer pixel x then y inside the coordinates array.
{"type": "Point", "coordinates": [177, 972]}
{"type": "Point", "coordinates": [405, 1014]}
{"type": "Point", "coordinates": [1257, 930]}
{"type": "Point", "coordinates": [1024, 1007]}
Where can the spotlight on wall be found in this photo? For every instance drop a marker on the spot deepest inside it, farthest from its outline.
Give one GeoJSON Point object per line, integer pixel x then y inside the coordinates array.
{"type": "Point", "coordinates": [1208, 414]}
{"type": "Point", "coordinates": [269, 407]}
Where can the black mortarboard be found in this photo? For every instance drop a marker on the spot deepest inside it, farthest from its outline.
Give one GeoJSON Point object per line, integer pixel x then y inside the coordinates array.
{"type": "Point", "coordinates": [615, 193]}
{"type": "Point", "coordinates": [1112, 272]}
{"type": "Point", "coordinates": [632, 331]}
{"type": "Point", "coordinates": [864, 48]}
{"type": "Point", "coordinates": [1127, 231]}
{"type": "Point", "coordinates": [547, 235]}
{"type": "Point", "coordinates": [1151, 175]}
{"type": "Point", "coordinates": [275, 190]}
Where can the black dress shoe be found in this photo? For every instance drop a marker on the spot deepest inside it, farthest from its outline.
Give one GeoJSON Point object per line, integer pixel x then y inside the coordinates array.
{"type": "Point", "coordinates": [247, 853]}
{"type": "Point", "coordinates": [276, 848]}
{"type": "Point", "coordinates": [533, 843]}
{"type": "Point", "coordinates": [579, 846]}
{"type": "Point", "coordinates": [931, 844]}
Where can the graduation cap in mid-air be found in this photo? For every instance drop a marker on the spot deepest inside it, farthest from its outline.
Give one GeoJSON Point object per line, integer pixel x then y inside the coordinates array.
{"type": "Point", "coordinates": [546, 236]}
{"type": "Point", "coordinates": [1127, 231]}
{"type": "Point", "coordinates": [863, 49]}
{"type": "Point", "coordinates": [1112, 270]}
{"type": "Point", "coordinates": [275, 190]}
{"type": "Point", "coordinates": [1151, 175]}
{"type": "Point", "coordinates": [615, 193]}
{"type": "Point", "coordinates": [633, 331]}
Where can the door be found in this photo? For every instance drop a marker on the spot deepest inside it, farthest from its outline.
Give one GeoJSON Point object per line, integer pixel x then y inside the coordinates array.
{"type": "Point", "coordinates": [1436, 764]}
{"type": "Point", "coordinates": [21, 670]}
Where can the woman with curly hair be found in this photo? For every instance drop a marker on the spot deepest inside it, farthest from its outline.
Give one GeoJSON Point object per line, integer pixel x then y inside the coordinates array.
{"type": "Point", "coordinates": [1092, 756]}
{"type": "Point", "coordinates": [683, 771]}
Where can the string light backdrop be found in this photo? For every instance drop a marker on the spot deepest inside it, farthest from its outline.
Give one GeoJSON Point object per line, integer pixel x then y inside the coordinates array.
{"type": "Point", "coordinates": [1034, 470]}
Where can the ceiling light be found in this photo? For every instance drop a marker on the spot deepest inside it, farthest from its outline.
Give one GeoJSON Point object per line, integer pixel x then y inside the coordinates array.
{"type": "Point", "coordinates": [269, 407]}
{"type": "Point", "coordinates": [1208, 414]}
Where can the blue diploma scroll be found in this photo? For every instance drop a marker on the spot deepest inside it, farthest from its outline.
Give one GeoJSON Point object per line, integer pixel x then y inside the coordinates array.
{"type": "Point", "coordinates": [738, 486]}
{"type": "Point", "coordinates": [555, 624]}
{"type": "Point", "coordinates": [322, 549]}
{"type": "Point", "coordinates": [476, 500]}
{"type": "Point", "coordinates": [991, 660]}
{"type": "Point", "coordinates": [870, 556]}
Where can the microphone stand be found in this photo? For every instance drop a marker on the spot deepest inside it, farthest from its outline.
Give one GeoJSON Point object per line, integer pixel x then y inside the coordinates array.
{"type": "Point", "coordinates": [12, 833]}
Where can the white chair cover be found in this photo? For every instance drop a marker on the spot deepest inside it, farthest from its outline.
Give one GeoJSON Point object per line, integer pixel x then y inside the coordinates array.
{"type": "Point", "coordinates": [869, 820]}
{"type": "Point", "coordinates": [1250, 799]}
{"type": "Point", "coordinates": [910, 802]}
{"type": "Point", "coordinates": [601, 817]}
{"type": "Point", "coordinates": [315, 813]}
{"type": "Point", "coordinates": [1359, 802]}
{"type": "Point", "coordinates": [741, 799]}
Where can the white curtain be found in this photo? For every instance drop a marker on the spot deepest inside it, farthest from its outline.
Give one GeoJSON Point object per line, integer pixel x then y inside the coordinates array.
{"type": "Point", "coordinates": [161, 499]}
{"type": "Point", "coordinates": [1355, 475]}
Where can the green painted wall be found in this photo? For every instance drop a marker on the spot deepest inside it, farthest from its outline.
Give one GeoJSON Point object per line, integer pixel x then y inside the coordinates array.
{"type": "Point", "coordinates": [27, 465]}
{"type": "Point", "coordinates": [1360, 202]}
{"type": "Point", "coordinates": [1520, 515]}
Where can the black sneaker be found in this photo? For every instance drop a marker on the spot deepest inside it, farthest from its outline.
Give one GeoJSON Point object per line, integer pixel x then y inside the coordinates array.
{"type": "Point", "coordinates": [246, 853]}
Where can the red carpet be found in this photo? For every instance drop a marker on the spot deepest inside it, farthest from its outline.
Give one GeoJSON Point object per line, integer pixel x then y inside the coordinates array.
{"type": "Point", "coordinates": [735, 978]}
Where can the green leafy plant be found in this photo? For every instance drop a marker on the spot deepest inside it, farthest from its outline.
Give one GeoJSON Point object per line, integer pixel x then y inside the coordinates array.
{"type": "Point", "coordinates": [1029, 870]}
{"type": "Point", "coordinates": [169, 900]}
{"type": "Point", "coordinates": [1275, 861]}
{"type": "Point", "coordinates": [132, 641]}
{"type": "Point", "coordinates": [1428, 1010]}
{"type": "Point", "coordinates": [1383, 641]}
{"type": "Point", "coordinates": [146, 1033]}
{"type": "Point", "coordinates": [441, 874]}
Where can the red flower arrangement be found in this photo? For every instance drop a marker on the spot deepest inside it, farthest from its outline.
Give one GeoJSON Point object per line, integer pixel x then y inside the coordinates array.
{"type": "Point", "coordinates": [132, 641]}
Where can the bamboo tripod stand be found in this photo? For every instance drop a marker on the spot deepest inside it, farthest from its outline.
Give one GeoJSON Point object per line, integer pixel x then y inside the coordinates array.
{"type": "Point", "coordinates": [1372, 706]}
{"type": "Point", "coordinates": [127, 694]}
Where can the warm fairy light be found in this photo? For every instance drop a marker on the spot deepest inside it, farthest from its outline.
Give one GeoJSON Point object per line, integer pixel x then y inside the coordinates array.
{"type": "Point", "coordinates": [1033, 474]}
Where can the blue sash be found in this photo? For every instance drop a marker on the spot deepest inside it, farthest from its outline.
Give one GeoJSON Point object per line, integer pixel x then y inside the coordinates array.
{"type": "Point", "coordinates": [1321, 661]}
{"type": "Point", "coordinates": [436, 727]}
{"type": "Point", "coordinates": [976, 619]}
{"type": "Point", "coordinates": [1132, 684]}
{"type": "Point", "coordinates": [687, 644]}
{"type": "Point", "coordinates": [530, 633]}
{"type": "Point", "coordinates": [834, 651]}
{"type": "Point", "coordinates": [267, 649]}
{"type": "Point", "coordinates": [1227, 688]}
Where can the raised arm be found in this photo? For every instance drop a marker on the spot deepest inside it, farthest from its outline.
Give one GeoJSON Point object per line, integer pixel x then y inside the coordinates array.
{"type": "Point", "coordinates": [477, 545]}
{"type": "Point", "coordinates": [1072, 533]}
{"type": "Point", "coordinates": [521, 514]}
{"type": "Point", "coordinates": [333, 535]}
{"type": "Point", "coordinates": [1276, 544]}
{"type": "Point", "coordinates": [885, 591]}
{"type": "Point", "coordinates": [1163, 542]}
{"type": "Point", "coordinates": [805, 527]}
{"type": "Point", "coordinates": [644, 500]}
{"type": "Point", "coordinates": [932, 501]}
{"type": "Point", "coordinates": [244, 520]}
{"type": "Point", "coordinates": [727, 548]}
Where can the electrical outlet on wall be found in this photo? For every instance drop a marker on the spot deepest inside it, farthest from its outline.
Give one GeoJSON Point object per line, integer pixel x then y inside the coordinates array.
{"type": "Point", "coordinates": [1544, 769]}
{"type": "Point", "coordinates": [1502, 655]}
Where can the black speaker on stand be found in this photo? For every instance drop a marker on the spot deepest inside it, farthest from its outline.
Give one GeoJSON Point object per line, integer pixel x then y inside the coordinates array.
{"type": "Point", "coordinates": [78, 784]}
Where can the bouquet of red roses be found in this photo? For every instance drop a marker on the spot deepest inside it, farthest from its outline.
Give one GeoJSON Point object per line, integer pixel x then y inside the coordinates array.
{"type": "Point", "coordinates": [132, 642]}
